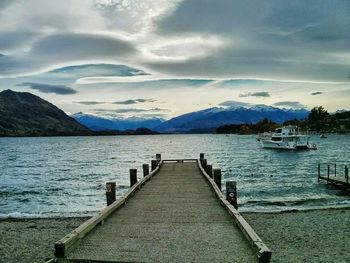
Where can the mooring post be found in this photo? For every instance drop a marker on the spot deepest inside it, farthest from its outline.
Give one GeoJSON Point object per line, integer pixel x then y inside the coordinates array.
{"type": "Point", "coordinates": [133, 177]}
{"type": "Point", "coordinates": [158, 157]}
{"type": "Point", "coordinates": [209, 170]}
{"type": "Point", "coordinates": [110, 192]}
{"type": "Point", "coordinates": [145, 168]}
{"type": "Point", "coordinates": [204, 164]}
{"type": "Point", "coordinates": [154, 164]}
{"type": "Point", "coordinates": [217, 177]}
{"type": "Point", "coordinates": [231, 193]}
{"type": "Point", "coordinates": [201, 156]}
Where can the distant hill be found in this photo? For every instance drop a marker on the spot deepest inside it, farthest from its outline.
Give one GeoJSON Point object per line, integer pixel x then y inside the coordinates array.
{"type": "Point", "coordinates": [96, 123]}
{"type": "Point", "coordinates": [24, 114]}
{"type": "Point", "coordinates": [210, 119]}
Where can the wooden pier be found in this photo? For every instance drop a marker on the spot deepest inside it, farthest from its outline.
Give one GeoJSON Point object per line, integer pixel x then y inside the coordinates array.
{"type": "Point", "coordinates": [331, 176]}
{"type": "Point", "coordinates": [175, 213]}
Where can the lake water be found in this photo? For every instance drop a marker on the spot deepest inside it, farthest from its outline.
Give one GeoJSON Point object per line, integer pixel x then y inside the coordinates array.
{"type": "Point", "coordinates": [66, 176]}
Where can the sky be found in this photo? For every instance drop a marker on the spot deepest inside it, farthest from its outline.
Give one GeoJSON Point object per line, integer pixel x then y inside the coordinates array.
{"type": "Point", "coordinates": [146, 58]}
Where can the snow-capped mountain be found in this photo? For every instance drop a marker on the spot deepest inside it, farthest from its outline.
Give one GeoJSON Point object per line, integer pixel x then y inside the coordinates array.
{"type": "Point", "coordinates": [214, 117]}
{"type": "Point", "coordinates": [200, 120]}
{"type": "Point", "coordinates": [96, 123]}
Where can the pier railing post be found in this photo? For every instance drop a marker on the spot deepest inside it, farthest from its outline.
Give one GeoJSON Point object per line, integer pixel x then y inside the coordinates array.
{"type": "Point", "coordinates": [145, 169]}
{"type": "Point", "coordinates": [328, 169]}
{"type": "Point", "coordinates": [217, 177]}
{"type": "Point", "coordinates": [347, 175]}
{"type": "Point", "coordinates": [335, 169]}
{"type": "Point", "coordinates": [110, 192]}
{"type": "Point", "coordinates": [201, 156]}
{"type": "Point", "coordinates": [231, 193]}
{"type": "Point", "coordinates": [154, 164]}
{"type": "Point", "coordinates": [209, 170]}
{"type": "Point", "coordinates": [133, 177]}
{"type": "Point", "coordinates": [319, 172]}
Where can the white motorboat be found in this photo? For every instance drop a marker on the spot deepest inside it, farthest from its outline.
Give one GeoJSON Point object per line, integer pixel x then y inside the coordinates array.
{"type": "Point", "coordinates": [288, 138]}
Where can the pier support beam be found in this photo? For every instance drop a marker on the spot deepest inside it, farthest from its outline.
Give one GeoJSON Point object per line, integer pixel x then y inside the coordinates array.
{"type": "Point", "coordinates": [110, 192]}
{"type": "Point", "coordinates": [145, 168]}
{"type": "Point", "coordinates": [217, 177]}
{"type": "Point", "coordinates": [133, 177]}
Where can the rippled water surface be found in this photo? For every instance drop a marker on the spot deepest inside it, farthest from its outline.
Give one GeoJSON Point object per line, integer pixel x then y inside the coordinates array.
{"type": "Point", "coordinates": [65, 176]}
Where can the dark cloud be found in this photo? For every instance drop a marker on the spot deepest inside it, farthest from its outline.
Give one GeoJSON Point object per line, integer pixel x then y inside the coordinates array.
{"type": "Point", "coordinates": [232, 103]}
{"type": "Point", "coordinates": [4, 3]}
{"type": "Point", "coordinates": [12, 40]}
{"type": "Point", "coordinates": [91, 70]}
{"type": "Point", "coordinates": [317, 93]}
{"type": "Point", "coordinates": [88, 102]}
{"type": "Point", "coordinates": [131, 110]}
{"type": "Point", "coordinates": [72, 46]}
{"type": "Point", "coordinates": [48, 88]}
{"type": "Point", "coordinates": [133, 101]}
{"type": "Point", "coordinates": [255, 94]}
{"type": "Point", "coordinates": [279, 42]}
{"type": "Point", "coordinates": [291, 104]}
{"type": "Point", "coordinates": [68, 48]}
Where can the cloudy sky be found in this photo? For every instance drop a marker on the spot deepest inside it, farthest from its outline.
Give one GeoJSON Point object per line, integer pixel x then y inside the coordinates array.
{"type": "Point", "coordinates": [163, 58]}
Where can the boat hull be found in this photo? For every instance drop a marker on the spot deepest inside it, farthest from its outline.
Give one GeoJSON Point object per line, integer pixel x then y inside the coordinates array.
{"type": "Point", "coordinates": [269, 144]}
{"type": "Point", "coordinates": [278, 145]}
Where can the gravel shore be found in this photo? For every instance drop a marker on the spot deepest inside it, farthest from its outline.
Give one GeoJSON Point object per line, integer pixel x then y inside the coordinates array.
{"type": "Point", "coordinates": [32, 240]}
{"type": "Point", "coordinates": [308, 236]}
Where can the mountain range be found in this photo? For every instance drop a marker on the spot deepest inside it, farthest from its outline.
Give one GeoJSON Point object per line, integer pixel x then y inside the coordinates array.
{"type": "Point", "coordinates": [96, 123]}
{"type": "Point", "coordinates": [204, 120]}
{"type": "Point", "coordinates": [24, 114]}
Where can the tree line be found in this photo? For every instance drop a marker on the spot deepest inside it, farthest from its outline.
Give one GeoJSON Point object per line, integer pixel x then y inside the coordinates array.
{"type": "Point", "coordinates": [318, 120]}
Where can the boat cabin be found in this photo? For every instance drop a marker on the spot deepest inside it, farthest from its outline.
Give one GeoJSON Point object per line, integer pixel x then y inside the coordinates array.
{"type": "Point", "coordinates": [287, 131]}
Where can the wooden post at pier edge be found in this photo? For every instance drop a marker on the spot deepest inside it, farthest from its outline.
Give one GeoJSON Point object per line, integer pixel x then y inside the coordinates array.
{"type": "Point", "coordinates": [231, 193]}
{"type": "Point", "coordinates": [201, 156]}
{"type": "Point", "coordinates": [204, 164]}
{"type": "Point", "coordinates": [217, 177]}
{"type": "Point", "coordinates": [145, 168]}
{"type": "Point", "coordinates": [133, 177]}
{"type": "Point", "coordinates": [110, 192]}
{"type": "Point", "coordinates": [154, 164]}
{"type": "Point", "coordinates": [209, 170]}
{"type": "Point", "coordinates": [158, 157]}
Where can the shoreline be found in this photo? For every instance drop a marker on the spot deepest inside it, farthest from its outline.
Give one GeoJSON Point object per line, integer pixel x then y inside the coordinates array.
{"type": "Point", "coordinates": [291, 210]}
{"type": "Point", "coordinates": [317, 235]}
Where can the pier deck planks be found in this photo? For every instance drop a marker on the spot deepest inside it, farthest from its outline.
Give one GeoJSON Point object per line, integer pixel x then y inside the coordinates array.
{"type": "Point", "coordinates": [175, 217]}
{"type": "Point", "coordinates": [335, 180]}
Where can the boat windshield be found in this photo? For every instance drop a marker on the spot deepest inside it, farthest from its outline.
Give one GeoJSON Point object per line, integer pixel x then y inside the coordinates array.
{"type": "Point", "coordinates": [276, 139]}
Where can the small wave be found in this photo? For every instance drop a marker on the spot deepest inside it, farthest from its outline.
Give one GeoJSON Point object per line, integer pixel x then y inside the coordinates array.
{"type": "Point", "coordinates": [25, 192]}
{"type": "Point", "coordinates": [19, 215]}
